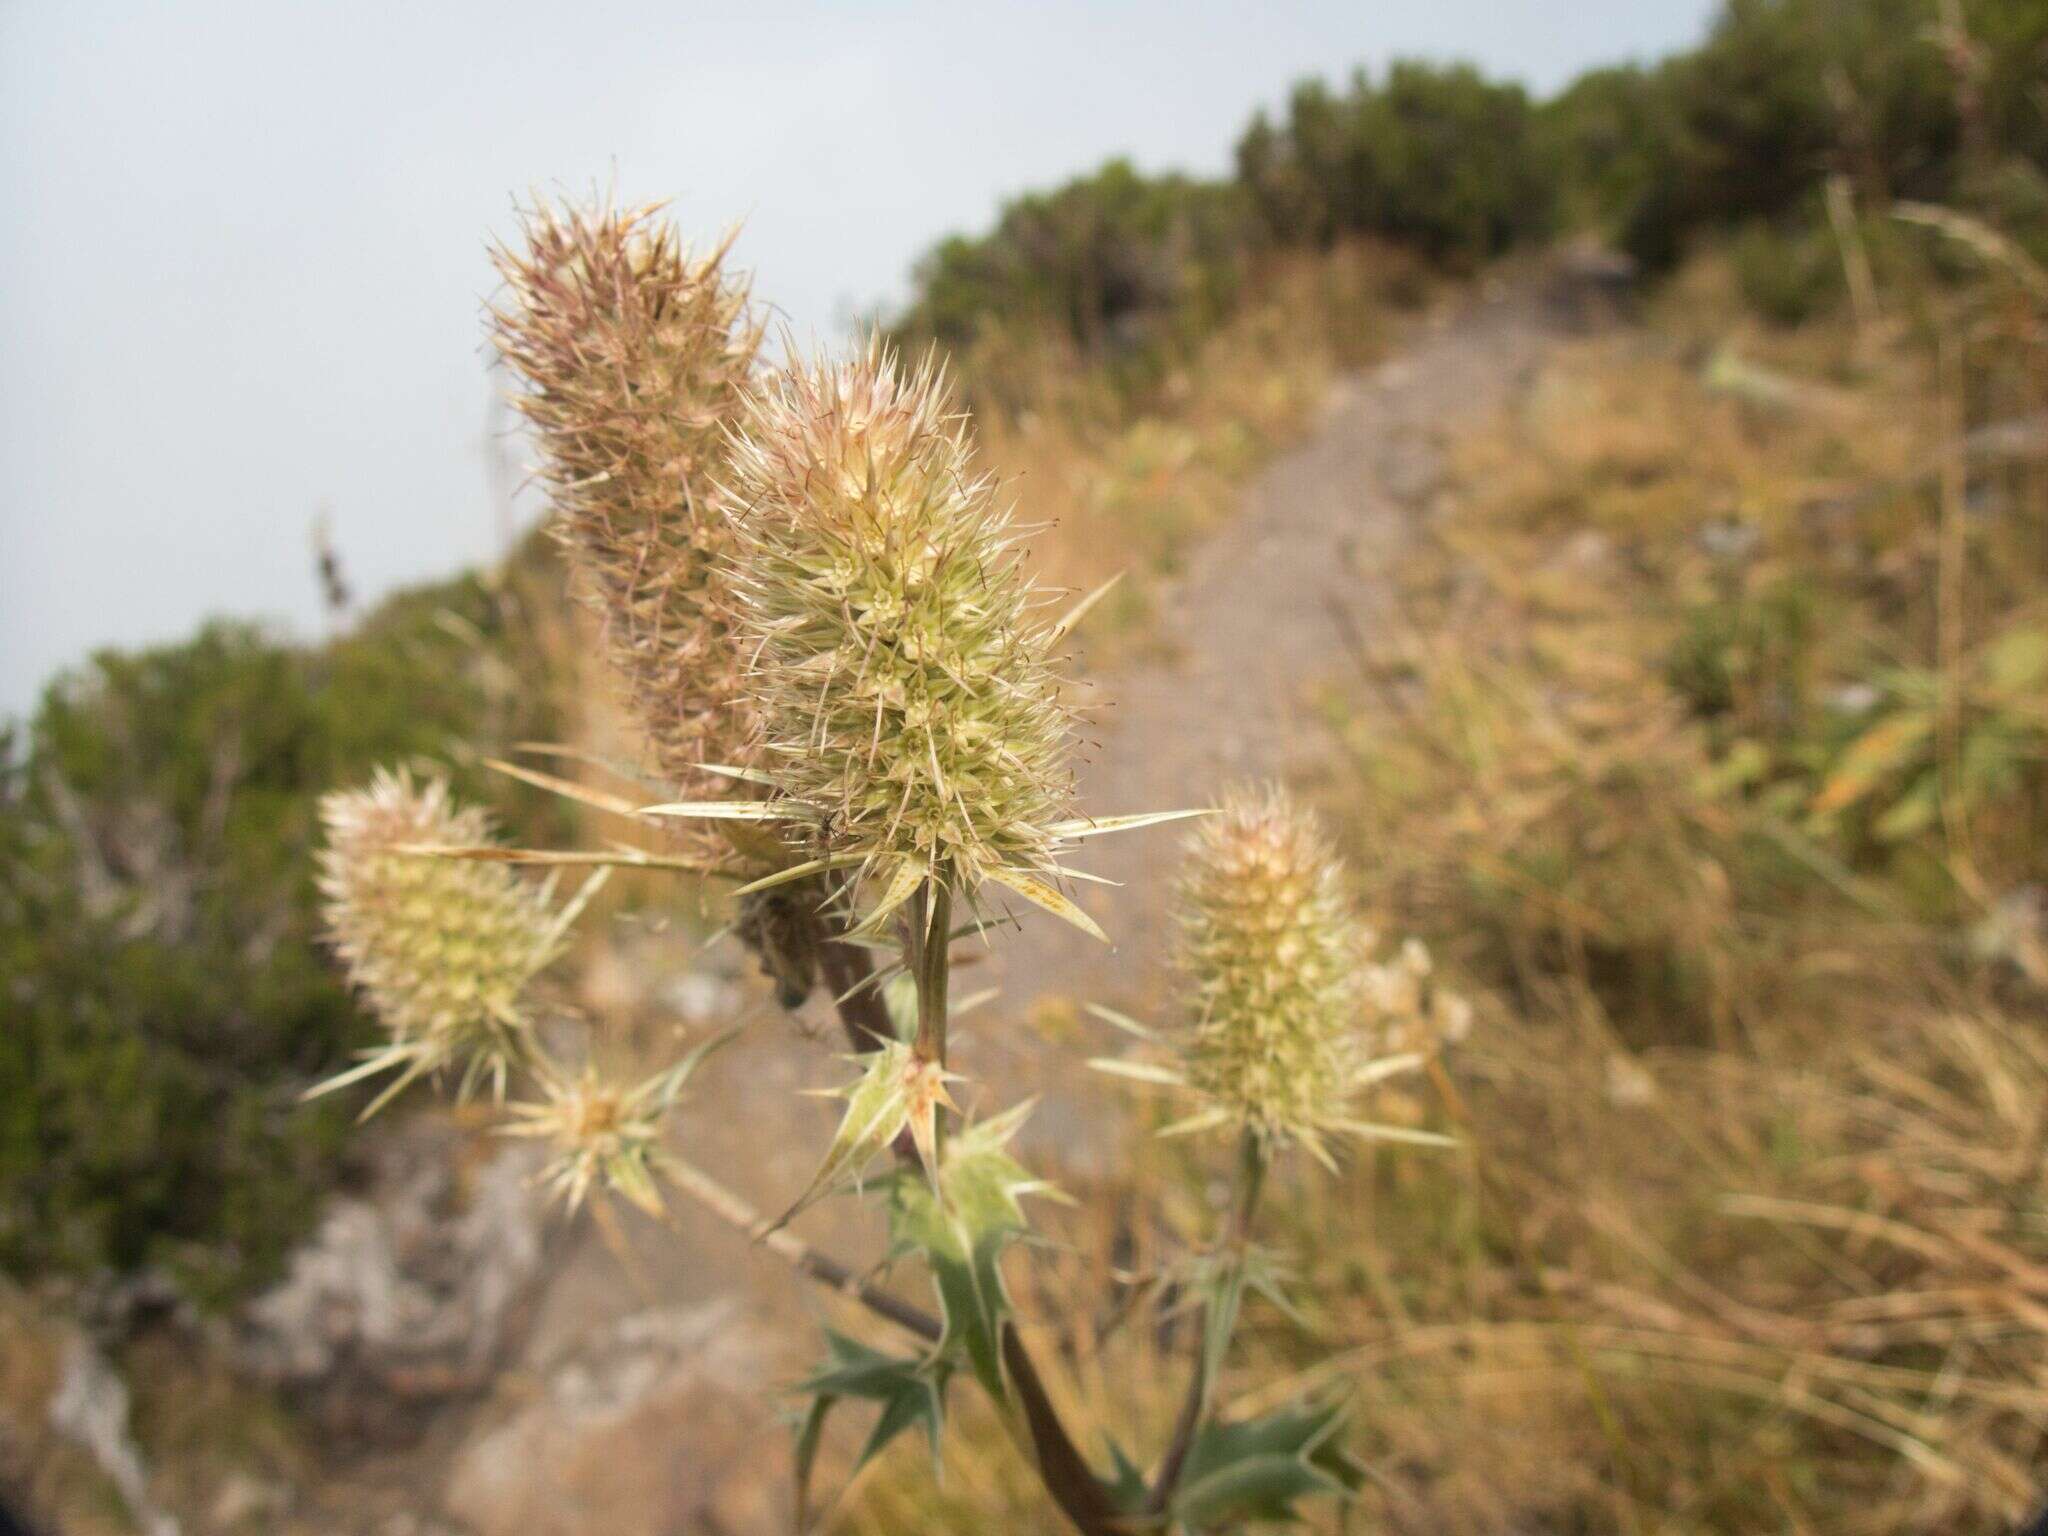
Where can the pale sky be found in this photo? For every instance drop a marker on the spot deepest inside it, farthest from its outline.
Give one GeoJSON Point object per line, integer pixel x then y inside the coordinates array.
{"type": "Point", "coordinates": [242, 258]}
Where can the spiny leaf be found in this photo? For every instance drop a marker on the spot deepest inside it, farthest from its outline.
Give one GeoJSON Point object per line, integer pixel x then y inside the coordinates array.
{"type": "Point", "coordinates": [1102, 826]}
{"type": "Point", "coordinates": [1066, 622]}
{"type": "Point", "coordinates": [1123, 1021]}
{"type": "Point", "coordinates": [726, 810]}
{"type": "Point", "coordinates": [903, 882]}
{"type": "Point", "coordinates": [879, 1104]}
{"type": "Point", "coordinates": [1138, 1071]}
{"type": "Point", "coordinates": [797, 872]}
{"type": "Point", "coordinates": [1258, 1469]}
{"type": "Point", "coordinates": [1041, 894]}
{"type": "Point", "coordinates": [911, 1392]}
{"type": "Point", "coordinates": [963, 1235]}
{"type": "Point", "coordinates": [619, 858]}
{"type": "Point", "coordinates": [568, 789]}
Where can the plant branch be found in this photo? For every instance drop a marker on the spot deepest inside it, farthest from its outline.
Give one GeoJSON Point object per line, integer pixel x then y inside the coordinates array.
{"type": "Point", "coordinates": [1219, 1321]}
{"type": "Point", "coordinates": [731, 1208]}
{"type": "Point", "coordinates": [1065, 1472]}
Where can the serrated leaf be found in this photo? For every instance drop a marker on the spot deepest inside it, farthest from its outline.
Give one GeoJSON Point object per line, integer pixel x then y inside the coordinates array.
{"type": "Point", "coordinates": [1258, 1469]}
{"type": "Point", "coordinates": [963, 1234]}
{"type": "Point", "coordinates": [1040, 894]}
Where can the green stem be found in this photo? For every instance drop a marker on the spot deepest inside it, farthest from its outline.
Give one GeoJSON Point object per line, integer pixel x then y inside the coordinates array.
{"type": "Point", "coordinates": [1219, 1321]}
{"type": "Point", "coordinates": [932, 957]}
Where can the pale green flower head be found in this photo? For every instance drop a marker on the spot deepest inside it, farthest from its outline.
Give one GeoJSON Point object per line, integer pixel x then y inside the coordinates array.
{"type": "Point", "coordinates": [442, 950]}
{"type": "Point", "coordinates": [1275, 961]}
{"type": "Point", "coordinates": [903, 674]}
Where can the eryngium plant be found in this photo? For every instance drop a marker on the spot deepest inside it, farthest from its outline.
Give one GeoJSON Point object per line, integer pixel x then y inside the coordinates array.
{"type": "Point", "coordinates": [635, 352]}
{"type": "Point", "coordinates": [904, 678]}
{"type": "Point", "coordinates": [1288, 1018]}
{"type": "Point", "coordinates": [442, 951]}
{"type": "Point", "coordinates": [808, 570]}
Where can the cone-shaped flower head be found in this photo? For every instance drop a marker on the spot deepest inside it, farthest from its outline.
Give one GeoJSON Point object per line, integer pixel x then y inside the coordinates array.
{"type": "Point", "coordinates": [902, 671]}
{"type": "Point", "coordinates": [1274, 958]}
{"type": "Point", "coordinates": [635, 354]}
{"type": "Point", "coordinates": [441, 949]}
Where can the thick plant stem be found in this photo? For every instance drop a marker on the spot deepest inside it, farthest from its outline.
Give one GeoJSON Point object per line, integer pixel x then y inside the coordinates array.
{"type": "Point", "coordinates": [934, 969]}
{"type": "Point", "coordinates": [1068, 1479]}
{"type": "Point", "coordinates": [850, 974]}
{"type": "Point", "coordinates": [1219, 1320]}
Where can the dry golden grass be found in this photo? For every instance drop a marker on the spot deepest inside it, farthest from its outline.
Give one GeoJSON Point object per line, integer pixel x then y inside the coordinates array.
{"type": "Point", "coordinates": [1748, 1231]}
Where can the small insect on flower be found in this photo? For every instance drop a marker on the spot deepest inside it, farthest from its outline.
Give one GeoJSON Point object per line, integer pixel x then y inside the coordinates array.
{"type": "Point", "coordinates": [1275, 963]}
{"type": "Point", "coordinates": [442, 950]}
{"type": "Point", "coordinates": [903, 671]}
{"type": "Point", "coordinates": [635, 353]}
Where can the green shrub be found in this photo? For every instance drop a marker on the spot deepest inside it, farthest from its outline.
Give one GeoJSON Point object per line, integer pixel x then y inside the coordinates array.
{"type": "Point", "coordinates": [1439, 157]}
{"type": "Point", "coordinates": [1114, 261]}
{"type": "Point", "coordinates": [165, 991]}
{"type": "Point", "coordinates": [1787, 275]}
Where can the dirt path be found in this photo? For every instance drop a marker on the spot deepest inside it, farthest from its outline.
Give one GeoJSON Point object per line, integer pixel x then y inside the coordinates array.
{"type": "Point", "coordinates": [1250, 628]}
{"type": "Point", "coordinates": [561, 1446]}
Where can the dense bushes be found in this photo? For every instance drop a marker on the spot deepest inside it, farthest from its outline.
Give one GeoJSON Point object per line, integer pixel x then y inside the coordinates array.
{"type": "Point", "coordinates": [164, 991]}
{"type": "Point", "coordinates": [1737, 133]}
{"type": "Point", "coordinates": [1440, 158]}
{"type": "Point", "coordinates": [1111, 261]}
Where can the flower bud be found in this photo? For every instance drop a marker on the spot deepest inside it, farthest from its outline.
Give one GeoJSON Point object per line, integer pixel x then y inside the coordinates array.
{"type": "Point", "coordinates": [1272, 954]}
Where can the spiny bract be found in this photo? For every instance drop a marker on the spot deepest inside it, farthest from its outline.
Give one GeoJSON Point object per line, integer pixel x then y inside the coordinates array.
{"type": "Point", "coordinates": [904, 677]}
{"type": "Point", "coordinates": [1275, 960]}
{"type": "Point", "coordinates": [635, 354]}
{"type": "Point", "coordinates": [441, 949]}
{"type": "Point", "coordinates": [602, 1134]}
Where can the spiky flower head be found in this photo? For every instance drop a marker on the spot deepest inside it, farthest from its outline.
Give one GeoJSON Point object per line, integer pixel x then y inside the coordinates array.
{"type": "Point", "coordinates": [601, 1133]}
{"type": "Point", "coordinates": [635, 353]}
{"type": "Point", "coordinates": [441, 949]}
{"type": "Point", "coordinates": [1274, 959]}
{"type": "Point", "coordinates": [904, 676]}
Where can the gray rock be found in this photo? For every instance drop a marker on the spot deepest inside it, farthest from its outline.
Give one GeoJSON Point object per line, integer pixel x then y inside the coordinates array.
{"type": "Point", "coordinates": [404, 1294]}
{"type": "Point", "coordinates": [90, 1408]}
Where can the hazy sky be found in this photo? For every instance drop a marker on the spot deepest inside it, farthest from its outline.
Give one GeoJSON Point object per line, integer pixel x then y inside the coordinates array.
{"type": "Point", "coordinates": [241, 259]}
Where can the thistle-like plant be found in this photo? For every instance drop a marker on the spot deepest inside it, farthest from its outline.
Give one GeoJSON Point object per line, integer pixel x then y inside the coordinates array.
{"type": "Point", "coordinates": [443, 952]}
{"type": "Point", "coordinates": [808, 569]}
{"type": "Point", "coordinates": [1288, 1019]}
{"type": "Point", "coordinates": [904, 676]}
{"type": "Point", "coordinates": [635, 353]}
